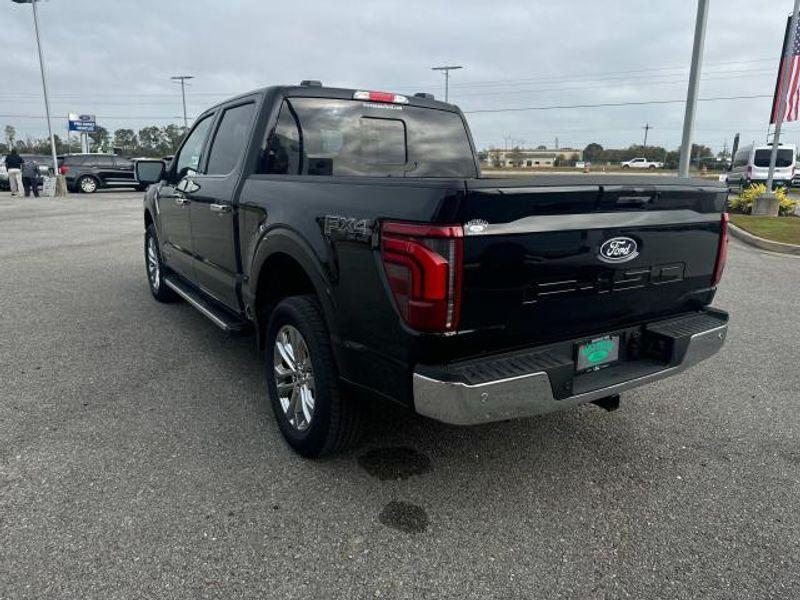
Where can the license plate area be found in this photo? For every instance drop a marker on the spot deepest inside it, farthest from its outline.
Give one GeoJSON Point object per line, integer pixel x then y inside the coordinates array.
{"type": "Point", "coordinates": [596, 353]}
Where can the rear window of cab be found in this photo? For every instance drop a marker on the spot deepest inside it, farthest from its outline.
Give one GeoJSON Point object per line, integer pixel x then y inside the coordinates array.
{"type": "Point", "coordinates": [321, 136]}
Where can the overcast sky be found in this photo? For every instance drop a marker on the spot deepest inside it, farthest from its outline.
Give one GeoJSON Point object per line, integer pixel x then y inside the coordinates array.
{"type": "Point", "coordinates": [114, 58]}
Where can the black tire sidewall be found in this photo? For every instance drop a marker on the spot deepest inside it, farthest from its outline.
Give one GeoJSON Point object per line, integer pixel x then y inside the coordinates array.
{"type": "Point", "coordinates": [164, 294]}
{"type": "Point", "coordinates": [298, 311]}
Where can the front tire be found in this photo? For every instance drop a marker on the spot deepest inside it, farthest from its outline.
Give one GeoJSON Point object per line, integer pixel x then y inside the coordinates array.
{"type": "Point", "coordinates": [303, 384]}
{"type": "Point", "coordinates": [155, 267]}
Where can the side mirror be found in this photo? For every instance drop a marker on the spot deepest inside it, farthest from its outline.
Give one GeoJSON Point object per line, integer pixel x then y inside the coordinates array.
{"type": "Point", "coordinates": [150, 171]}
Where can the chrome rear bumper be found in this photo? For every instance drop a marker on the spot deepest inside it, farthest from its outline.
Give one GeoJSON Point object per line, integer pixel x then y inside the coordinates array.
{"type": "Point", "coordinates": [531, 394]}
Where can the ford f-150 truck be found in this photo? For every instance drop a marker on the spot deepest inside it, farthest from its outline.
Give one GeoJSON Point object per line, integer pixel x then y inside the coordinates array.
{"type": "Point", "coordinates": [352, 232]}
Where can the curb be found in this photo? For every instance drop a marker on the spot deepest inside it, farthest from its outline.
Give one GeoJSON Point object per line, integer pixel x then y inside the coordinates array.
{"type": "Point", "coordinates": [758, 242]}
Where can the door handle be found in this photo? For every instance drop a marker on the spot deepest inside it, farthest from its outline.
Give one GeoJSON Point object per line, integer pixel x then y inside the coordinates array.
{"type": "Point", "coordinates": [181, 199]}
{"type": "Point", "coordinates": [220, 208]}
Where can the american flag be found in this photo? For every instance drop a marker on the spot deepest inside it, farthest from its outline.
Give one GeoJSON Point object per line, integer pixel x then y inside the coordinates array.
{"type": "Point", "coordinates": [792, 89]}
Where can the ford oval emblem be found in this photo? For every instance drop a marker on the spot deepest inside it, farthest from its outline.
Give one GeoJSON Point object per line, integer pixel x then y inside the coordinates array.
{"type": "Point", "coordinates": [619, 250]}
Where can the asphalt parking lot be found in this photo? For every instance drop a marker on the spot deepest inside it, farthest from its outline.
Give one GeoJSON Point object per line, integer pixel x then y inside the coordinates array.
{"type": "Point", "coordinates": [139, 458]}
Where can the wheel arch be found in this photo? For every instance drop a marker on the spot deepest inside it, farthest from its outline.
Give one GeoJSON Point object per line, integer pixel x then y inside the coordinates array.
{"type": "Point", "coordinates": [285, 265]}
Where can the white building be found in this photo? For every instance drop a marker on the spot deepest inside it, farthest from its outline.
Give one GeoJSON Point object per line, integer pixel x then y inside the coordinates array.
{"type": "Point", "coordinates": [530, 158]}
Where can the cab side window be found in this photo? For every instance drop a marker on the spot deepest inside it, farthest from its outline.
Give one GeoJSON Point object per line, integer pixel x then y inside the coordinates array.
{"type": "Point", "coordinates": [189, 157]}
{"type": "Point", "coordinates": [230, 140]}
{"type": "Point", "coordinates": [280, 151]}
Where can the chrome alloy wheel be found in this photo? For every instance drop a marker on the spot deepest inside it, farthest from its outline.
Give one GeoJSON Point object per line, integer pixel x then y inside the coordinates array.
{"type": "Point", "coordinates": [294, 377]}
{"type": "Point", "coordinates": [153, 269]}
{"type": "Point", "coordinates": [88, 185]}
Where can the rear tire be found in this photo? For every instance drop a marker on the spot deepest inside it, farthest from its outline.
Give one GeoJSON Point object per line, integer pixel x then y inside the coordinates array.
{"type": "Point", "coordinates": [88, 184]}
{"type": "Point", "coordinates": [305, 369]}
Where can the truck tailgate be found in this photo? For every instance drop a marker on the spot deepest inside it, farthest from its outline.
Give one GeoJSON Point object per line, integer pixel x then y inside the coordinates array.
{"type": "Point", "coordinates": [533, 264]}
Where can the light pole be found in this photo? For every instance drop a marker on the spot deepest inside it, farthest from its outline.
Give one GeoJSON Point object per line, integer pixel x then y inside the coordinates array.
{"type": "Point", "coordinates": [182, 79]}
{"type": "Point", "coordinates": [44, 86]}
{"type": "Point", "coordinates": [446, 71]}
{"type": "Point", "coordinates": [694, 86]}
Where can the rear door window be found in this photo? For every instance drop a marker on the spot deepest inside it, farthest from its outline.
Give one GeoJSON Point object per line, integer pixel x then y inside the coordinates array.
{"type": "Point", "coordinates": [280, 152]}
{"type": "Point", "coordinates": [230, 140]}
{"type": "Point", "coordinates": [105, 162]}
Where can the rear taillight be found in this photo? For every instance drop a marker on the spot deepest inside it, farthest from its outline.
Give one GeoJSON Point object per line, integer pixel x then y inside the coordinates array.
{"type": "Point", "coordinates": [423, 265]}
{"type": "Point", "coordinates": [722, 250]}
{"type": "Point", "coordinates": [749, 172]}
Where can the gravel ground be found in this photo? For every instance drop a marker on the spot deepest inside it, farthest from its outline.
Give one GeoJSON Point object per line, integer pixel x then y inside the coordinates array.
{"type": "Point", "coordinates": [139, 459]}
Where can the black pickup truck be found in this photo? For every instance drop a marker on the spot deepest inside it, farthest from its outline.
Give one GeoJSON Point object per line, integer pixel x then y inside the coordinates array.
{"type": "Point", "coordinates": [352, 231]}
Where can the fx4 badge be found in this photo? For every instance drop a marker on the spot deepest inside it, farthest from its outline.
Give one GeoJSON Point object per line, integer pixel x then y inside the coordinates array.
{"type": "Point", "coordinates": [619, 250]}
{"type": "Point", "coordinates": [349, 228]}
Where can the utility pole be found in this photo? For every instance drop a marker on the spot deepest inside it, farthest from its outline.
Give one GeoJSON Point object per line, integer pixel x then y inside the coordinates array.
{"type": "Point", "coordinates": [785, 61]}
{"type": "Point", "coordinates": [44, 87]}
{"type": "Point", "coordinates": [182, 79]}
{"type": "Point", "coordinates": [694, 86]}
{"type": "Point", "coordinates": [646, 128]}
{"type": "Point", "coordinates": [446, 71]}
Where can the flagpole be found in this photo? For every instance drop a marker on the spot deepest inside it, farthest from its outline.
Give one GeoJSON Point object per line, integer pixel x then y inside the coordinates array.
{"type": "Point", "coordinates": [785, 62]}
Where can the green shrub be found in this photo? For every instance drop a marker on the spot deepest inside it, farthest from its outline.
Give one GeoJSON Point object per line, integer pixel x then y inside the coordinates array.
{"type": "Point", "coordinates": [744, 202]}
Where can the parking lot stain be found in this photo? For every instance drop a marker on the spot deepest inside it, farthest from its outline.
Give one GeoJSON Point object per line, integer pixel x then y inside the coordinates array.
{"type": "Point", "coordinates": [404, 516]}
{"type": "Point", "coordinates": [394, 463]}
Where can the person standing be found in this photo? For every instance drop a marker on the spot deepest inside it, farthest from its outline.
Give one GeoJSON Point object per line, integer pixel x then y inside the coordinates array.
{"type": "Point", "coordinates": [14, 164]}
{"type": "Point", "coordinates": [30, 177]}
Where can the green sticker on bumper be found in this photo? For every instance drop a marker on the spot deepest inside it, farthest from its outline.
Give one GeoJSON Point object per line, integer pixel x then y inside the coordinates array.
{"type": "Point", "coordinates": [598, 352]}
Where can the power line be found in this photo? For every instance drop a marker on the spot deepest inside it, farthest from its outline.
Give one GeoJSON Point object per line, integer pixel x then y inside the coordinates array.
{"type": "Point", "coordinates": [117, 117]}
{"type": "Point", "coordinates": [581, 76]}
{"type": "Point", "coordinates": [680, 81]}
{"type": "Point", "coordinates": [610, 104]}
{"type": "Point", "coordinates": [540, 79]}
{"type": "Point", "coordinates": [480, 110]}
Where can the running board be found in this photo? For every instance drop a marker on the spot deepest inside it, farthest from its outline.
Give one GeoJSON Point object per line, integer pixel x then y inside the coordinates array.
{"type": "Point", "coordinates": [219, 316]}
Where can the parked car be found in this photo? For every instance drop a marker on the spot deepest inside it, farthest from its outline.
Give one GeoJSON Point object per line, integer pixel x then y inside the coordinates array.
{"type": "Point", "coordinates": [89, 172]}
{"type": "Point", "coordinates": [751, 166]}
{"type": "Point", "coordinates": [45, 167]}
{"type": "Point", "coordinates": [641, 163]}
{"type": "Point", "coordinates": [45, 162]}
{"type": "Point", "coordinates": [351, 230]}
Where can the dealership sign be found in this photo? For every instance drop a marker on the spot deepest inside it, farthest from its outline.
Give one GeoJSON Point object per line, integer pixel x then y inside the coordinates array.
{"type": "Point", "coordinates": [85, 123]}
